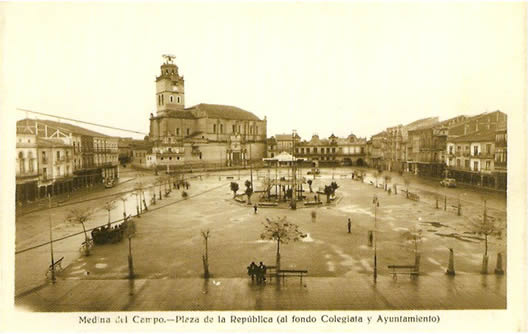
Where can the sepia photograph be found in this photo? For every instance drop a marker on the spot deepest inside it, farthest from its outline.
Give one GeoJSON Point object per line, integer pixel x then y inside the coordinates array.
{"type": "Point", "coordinates": [303, 157]}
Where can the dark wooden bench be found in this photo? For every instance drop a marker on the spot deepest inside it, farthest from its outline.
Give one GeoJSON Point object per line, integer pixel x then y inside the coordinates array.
{"type": "Point", "coordinates": [410, 270]}
{"type": "Point", "coordinates": [308, 203]}
{"type": "Point", "coordinates": [230, 177]}
{"type": "Point", "coordinates": [267, 204]}
{"type": "Point", "coordinates": [272, 272]}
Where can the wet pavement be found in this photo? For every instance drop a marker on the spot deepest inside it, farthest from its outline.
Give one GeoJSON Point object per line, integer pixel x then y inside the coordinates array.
{"type": "Point", "coordinates": [313, 293]}
{"type": "Point", "coordinates": [167, 250]}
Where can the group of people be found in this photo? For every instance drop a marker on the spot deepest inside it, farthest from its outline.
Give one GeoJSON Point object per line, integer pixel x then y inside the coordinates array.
{"type": "Point", "coordinates": [257, 271]}
{"type": "Point", "coordinates": [108, 234]}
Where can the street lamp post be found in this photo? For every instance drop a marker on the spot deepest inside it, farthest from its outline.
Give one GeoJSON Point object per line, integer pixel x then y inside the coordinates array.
{"type": "Point", "coordinates": [294, 173]}
{"type": "Point", "coordinates": [376, 205]}
{"type": "Point", "coordinates": [53, 278]}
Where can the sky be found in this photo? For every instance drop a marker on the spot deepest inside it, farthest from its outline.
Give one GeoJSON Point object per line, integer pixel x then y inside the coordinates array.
{"type": "Point", "coordinates": [319, 68]}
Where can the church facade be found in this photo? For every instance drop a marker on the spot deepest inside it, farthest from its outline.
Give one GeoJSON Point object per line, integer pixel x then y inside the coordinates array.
{"type": "Point", "coordinates": [207, 135]}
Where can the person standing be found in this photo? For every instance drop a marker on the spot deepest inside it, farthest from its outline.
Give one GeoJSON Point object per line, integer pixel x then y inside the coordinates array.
{"type": "Point", "coordinates": [349, 225]}
{"type": "Point", "coordinates": [252, 270]}
{"type": "Point", "coordinates": [255, 208]}
{"type": "Point", "coordinates": [262, 272]}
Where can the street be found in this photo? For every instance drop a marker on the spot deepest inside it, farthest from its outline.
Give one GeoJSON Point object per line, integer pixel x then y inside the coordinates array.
{"type": "Point", "coordinates": [168, 244]}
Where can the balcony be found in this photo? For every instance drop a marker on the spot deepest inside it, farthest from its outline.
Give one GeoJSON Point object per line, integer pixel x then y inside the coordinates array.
{"type": "Point", "coordinates": [27, 174]}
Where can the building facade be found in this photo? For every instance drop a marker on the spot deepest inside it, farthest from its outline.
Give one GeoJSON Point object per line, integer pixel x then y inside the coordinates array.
{"type": "Point", "coordinates": [27, 172]}
{"type": "Point", "coordinates": [202, 135]}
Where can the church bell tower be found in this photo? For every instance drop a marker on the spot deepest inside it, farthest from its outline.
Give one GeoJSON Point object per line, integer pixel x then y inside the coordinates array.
{"type": "Point", "coordinates": [170, 94]}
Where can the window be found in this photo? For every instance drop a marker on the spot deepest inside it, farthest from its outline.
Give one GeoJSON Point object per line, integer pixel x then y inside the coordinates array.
{"type": "Point", "coordinates": [21, 162]}
{"type": "Point", "coordinates": [475, 166]}
{"type": "Point", "coordinates": [188, 131]}
{"type": "Point", "coordinates": [488, 164]}
{"type": "Point", "coordinates": [488, 148]}
{"type": "Point", "coordinates": [44, 159]}
{"type": "Point", "coordinates": [466, 164]}
{"type": "Point", "coordinates": [45, 172]}
{"type": "Point", "coordinates": [234, 128]}
{"type": "Point", "coordinates": [475, 150]}
{"type": "Point", "coordinates": [177, 131]}
{"type": "Point", "coordinates": [171, 98]}
{"type": "Point", "coordinates": [162, 102]}
{"type": "Point", "coordinates": [58, 155]}
{"type": "Point", "coordinates": [214, 128]}
{"type": "Point", "coordinates": [179, 100]}
{"type": "Point", "coordinates": [256, 130]}
{"type": "Point", "coordinates": [221, 128]}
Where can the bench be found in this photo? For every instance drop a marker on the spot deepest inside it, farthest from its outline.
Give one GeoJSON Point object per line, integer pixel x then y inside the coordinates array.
{"type": "Point", "coordinates": [230, 177]}
{"type": "Point", "coordinates": [272, 272]}
{"type": "Point", "coordinates": [312, 203]}
{"type": "Point", "coordinates": [410, 270]}
{"type": "Point", "coordinates": [267, 204]}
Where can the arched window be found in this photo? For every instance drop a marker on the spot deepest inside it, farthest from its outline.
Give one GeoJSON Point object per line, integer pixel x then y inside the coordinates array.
{"type": "Point", "coordinates": [30, 160]}
{"type": "Point", "coordinates": [171, 99]}
{"type": "Point", "coordinates": [179, 99]}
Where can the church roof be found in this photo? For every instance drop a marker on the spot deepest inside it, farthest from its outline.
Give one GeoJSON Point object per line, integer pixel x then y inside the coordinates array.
{"type": "Point", "coordinates": [224, 112]}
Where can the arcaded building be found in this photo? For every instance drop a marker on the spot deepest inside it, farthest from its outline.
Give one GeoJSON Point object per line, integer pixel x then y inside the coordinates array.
{"type": "Point", "coordinates": [203, 135]}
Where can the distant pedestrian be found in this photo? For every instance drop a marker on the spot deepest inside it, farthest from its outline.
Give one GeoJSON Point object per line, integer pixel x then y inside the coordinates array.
{"type": "Point", "coordinates": [349, 225]}
{"type": "Point", "coordinates": [252, 270]}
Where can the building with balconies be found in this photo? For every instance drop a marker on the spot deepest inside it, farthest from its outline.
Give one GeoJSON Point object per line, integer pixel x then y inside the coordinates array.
{"type": "Point", "coordinates": [27, 172]}
{"type": "Point", "coordinates": [472, 158]}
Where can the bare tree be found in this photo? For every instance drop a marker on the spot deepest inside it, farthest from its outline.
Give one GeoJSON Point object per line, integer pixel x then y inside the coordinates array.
{"type": "Point", "coordinates": [123, 199]}
{"type": "Point", "coordinates": [281, 231]}
{"type": "Point", "coordinates": [205, 257]}
{"type": "Point", "coordinates": [81, 216]}
{"type": "Point", "coordinates": [486, 227]}
{"type": "Point", "coordinates": [109, 206]}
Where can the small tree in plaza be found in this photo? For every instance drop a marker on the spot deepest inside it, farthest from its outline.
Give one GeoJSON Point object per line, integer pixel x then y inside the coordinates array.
{"type": "Point", "coordinates": [81, 216]}
{"type": "Point", "coordinates": [413, 236]}
{"type": "Point", "coordinates": [205, 257]}
{"type": "Point", "coordinates": [334, 187]}
{"type": "Point", "coordinates": [109, 206]}
{"type": "Point", "coordinates": [310, 185]}
{"type": "Point", "coordinates": [249, 190]}
{"type": "Point", "coordinates": [486, 226]}
{"type": "Point", "coordinates": [281, 231]}
{"type": "Point", "coordinates": [234, 188]}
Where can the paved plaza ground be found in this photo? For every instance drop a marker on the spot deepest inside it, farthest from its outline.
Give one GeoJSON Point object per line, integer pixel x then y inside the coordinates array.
{"type": "Point", "coordinates": [168, 247]}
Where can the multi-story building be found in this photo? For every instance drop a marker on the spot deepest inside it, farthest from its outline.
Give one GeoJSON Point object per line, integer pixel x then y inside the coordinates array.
{"type": "Point", "coordinates": [55, 166]}
{"type": "Point", "coordinates": [205, 134]}
{"type": "Point", "coordinates": [426, 150]}
{"type": "Point", "coordinates": [477, 150]}
{"type": "Point", "coordinates": [501, 157]}
{"type": "Point", "coordinates": [333, 151]}
{"type": "Point", "coordinates": [471, 158]}
{"type": "Point", "coordinates": [106, 156]}
{"type": "Point", "coordinates": [281, 143]}
{"type": "Point", "coordinates": [125, 150]}
{"type": "Point", "coordinates": [93, 155]}
{"type": "Point", "coordinates": [376, 151]}
{"type": "Point", "coordinates": [27, 173]}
